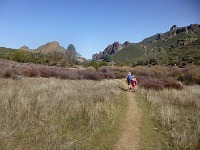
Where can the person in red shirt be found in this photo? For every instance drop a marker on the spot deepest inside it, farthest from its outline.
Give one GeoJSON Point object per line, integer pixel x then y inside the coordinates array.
{"type": "Point", "coordinates": [133, 83]}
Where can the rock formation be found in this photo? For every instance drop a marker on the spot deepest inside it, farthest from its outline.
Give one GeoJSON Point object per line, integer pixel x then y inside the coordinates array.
{"type": "Point", "coordinates": [51, 47]}
{"type": "Point", "coordinates": [174, 30]}
{"type": "Point", "coordinates": [24, 48]}
{"type": "Point", "coordinates": [110, 50]}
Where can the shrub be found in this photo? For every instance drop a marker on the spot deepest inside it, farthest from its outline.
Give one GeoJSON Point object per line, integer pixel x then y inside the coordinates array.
{"type": "Point", "coordinates": [31, 72]}
{"type": "Point", "coordinates": [91, 75]}
{"type": "Point", "coordinates": [7, 73]}
{"type": "Point", "coordinates": [157, 83]}
{"type": "Point", "coordinates": [190, 75]}
{"type": "Point", "coordinates": [104, 69]}
{"type": "Point", "coordinates": [91, 68]}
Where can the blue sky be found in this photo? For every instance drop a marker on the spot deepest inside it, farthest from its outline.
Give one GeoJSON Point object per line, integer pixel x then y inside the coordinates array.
{"type": "Point", "coordinates": [90, 25]}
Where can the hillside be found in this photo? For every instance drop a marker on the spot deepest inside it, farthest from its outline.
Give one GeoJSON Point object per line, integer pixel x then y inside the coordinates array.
{"type": "Point", "coordinates": [129, 53]}
{"type": "Point", "coordinates": [5, 52]}
{"type": "Point", "coordinates": [52, 53]}
{"type": "Point", "coordinates": [179, 45]}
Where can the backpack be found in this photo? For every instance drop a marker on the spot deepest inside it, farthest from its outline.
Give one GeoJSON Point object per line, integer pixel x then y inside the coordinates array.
{"type": "Point", "coordinates": [129, 78]}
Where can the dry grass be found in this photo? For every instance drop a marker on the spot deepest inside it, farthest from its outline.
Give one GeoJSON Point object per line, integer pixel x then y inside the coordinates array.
{"type": "Point", "coordinates": [179, 112]}
{"type": "Point", "coordinates": [39, 113]}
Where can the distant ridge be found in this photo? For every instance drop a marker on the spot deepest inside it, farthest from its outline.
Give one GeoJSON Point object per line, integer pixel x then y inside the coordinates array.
{"type": "Point", "coordinates": [49, 47]}
{"type": "Point", "coordinates": [110, 50]}
{"type": "Point", "coordinates": [179, 45]}
{"type": "Point", "coordinates": [174, 30]}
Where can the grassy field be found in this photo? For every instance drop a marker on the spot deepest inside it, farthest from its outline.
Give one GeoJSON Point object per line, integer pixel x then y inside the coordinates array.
{"type": "Point", "coordinates": [152, 137]}
{"type": "Point", "coordinates": [177, 114]}
{"type": "Point", "coordinates": [40, 113]}
{"type": "Point", "coordinates": [50, 113]}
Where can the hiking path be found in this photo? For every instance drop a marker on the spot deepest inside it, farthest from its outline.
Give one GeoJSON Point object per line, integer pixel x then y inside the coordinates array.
{"type": "Point", "coordinates": [129, 129]}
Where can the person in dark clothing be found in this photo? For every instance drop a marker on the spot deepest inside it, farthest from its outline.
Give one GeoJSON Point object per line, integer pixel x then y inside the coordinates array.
{"type": "Point", "coordinates": [128, 80]}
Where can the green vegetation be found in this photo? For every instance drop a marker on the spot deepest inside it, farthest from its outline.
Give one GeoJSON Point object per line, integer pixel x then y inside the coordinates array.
{"type": "Point", "coordinates": [54, 58]}
{"type": "Point", "coordinates": [97, 64]}
{"type": "Point", "coordinates": [158, 53]}
{"type": "Point", "coordinates": [167, 43]}
{"type": "Point", "coordinates": [6, 52]}
{"type": "Point", "coordinates": [168, 51]}
{"type": "Point", "coordinates": [128, 54]}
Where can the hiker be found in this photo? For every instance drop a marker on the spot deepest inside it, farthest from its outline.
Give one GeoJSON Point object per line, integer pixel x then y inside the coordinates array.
{"type": "Point", "coordinates": [133, 83]}
{"type": "Point", "coordinates": [128, 80]}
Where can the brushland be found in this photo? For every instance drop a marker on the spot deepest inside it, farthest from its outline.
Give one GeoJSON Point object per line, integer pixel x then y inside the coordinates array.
{"type": "Point", "coordinates": [16, 70]}
{"type": "Point", "coordinates": [156, 77]}
{"type": "Point", "coordinates": [41, 113]}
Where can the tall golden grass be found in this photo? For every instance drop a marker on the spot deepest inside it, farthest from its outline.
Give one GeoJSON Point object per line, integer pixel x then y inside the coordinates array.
{"type": "Point", "coordinates": [179, 112]}
{"type": "Point", "coordinates": [39, 113]}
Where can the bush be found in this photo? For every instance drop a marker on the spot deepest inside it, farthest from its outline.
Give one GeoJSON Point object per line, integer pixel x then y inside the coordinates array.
{"type": "Point", "coordinates": [104, 69]}
{"type": "Point", "coordinates": [31, 72]}
{"type": "Point", "coordinates": [166, 74]}
{"type": "Point", "coordinates": [190, 75]}
{"type": "Point", "coordinates": [157, 83]}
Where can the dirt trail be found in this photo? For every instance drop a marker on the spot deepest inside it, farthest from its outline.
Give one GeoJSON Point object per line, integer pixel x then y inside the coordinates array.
{"type": "Point", "coordinates": [130, 134]}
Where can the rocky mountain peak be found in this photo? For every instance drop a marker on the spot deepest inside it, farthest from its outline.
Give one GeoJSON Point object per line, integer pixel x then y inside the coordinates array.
{"type": "Point", "coordinates": [24, 48]}
{"type": "Point", "coordinates": [126, 43]}
{"type": "Point", "coordinates": [51, 47]}
{"type": "Point", "coordinates": [174, 30]}
{"type": "Point", "coordinates": [110, 50]}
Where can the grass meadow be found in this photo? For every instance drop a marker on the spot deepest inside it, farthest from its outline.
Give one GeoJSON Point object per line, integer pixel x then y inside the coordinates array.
{"type": "Point", "coordinates": [65, 108]}
{"type": "Point", "coordinates": [177, 114]}
{"type": "Point", "coordinates": [49, 113]}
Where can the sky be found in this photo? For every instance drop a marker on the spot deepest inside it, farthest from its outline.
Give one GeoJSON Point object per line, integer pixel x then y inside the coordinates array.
{"type": "Point", "coordinates": [90, 25]}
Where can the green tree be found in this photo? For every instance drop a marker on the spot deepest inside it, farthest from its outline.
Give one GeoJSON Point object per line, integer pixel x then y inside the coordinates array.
{"type": "Point", "coordinates": [72, 53]}
{"type": "Point", "coordinates": [95, 64]}
{"type": "Point", "coordinates": [71, 47]}
{"type": "Point", "coordinates": [21, 56]}
{"type": "Point", "coordinates": [107, 58]}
